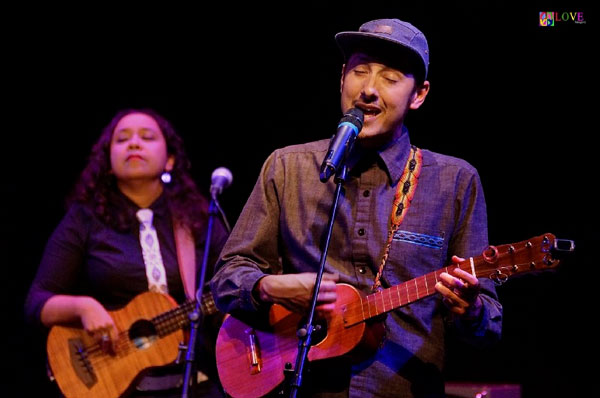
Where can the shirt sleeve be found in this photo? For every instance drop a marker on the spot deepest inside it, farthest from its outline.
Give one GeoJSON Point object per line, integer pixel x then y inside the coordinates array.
{"type": "Point", "coordinates": [469, 240]}
{"type": "Point", "coordinates": [60, 265]}
{"type": "Point", "coordinates": [252, 248]}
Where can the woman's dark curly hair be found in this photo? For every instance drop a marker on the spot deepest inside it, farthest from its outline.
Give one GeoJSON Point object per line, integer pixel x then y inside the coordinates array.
{"type": "Point", "coordinates": [97, 185]}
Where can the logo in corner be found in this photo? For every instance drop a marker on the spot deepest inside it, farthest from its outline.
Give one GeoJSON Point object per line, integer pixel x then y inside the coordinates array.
{"type": "Point", "coordinates": [552, 18]}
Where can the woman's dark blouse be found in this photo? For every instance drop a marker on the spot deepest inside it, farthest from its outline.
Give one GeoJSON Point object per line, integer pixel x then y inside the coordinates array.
{"type": "Point", "coordinates": [85, 256]}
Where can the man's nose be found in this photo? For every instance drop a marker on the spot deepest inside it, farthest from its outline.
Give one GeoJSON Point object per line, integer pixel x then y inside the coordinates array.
{"type": "Point", "coordinates": [369, 90]}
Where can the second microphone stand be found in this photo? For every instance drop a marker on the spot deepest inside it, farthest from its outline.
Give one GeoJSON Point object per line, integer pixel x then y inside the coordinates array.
{"type": "Point", "coordinates": [196, 315]}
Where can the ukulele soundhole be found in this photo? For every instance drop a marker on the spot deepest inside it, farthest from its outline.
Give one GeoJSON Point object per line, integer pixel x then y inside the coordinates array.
{"type": "Point", "coordinates": [318, 334]}
{"type": "Point", "coordinates": [143, 334]}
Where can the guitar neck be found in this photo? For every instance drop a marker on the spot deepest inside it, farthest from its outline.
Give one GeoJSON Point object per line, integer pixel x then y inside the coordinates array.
{"type": "Point", "coordinates": [496, 262]}
{"type": "Point", "coordinates": [178, 318]}
{"type": "Point", "coordinates": [397, 296]}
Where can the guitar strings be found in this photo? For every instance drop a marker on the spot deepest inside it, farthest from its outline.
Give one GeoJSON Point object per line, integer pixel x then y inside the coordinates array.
{"type": "Point", "coordinates": [165, 324]}
{"type": "Point", "coordinates": [101, 359]}
{"type": "Point", "coordinates": [98, 357]}
{"type": "Point", "coordinates": [370, 307]}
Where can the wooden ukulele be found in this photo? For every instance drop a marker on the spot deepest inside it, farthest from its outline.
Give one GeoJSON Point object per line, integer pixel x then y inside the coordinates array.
{"type": "Point", "coordinates": [150, 328]}
{"type": "Point", "coordinates": [251, 361]}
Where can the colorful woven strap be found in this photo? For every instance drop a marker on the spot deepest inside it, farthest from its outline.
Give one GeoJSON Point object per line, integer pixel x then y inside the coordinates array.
{"type": "Point", "coordinates": [404, 195]}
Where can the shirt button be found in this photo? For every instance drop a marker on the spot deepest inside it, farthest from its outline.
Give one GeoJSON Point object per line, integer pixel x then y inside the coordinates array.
{"type": "Point", "coordinates": [362, 270]}
{"type": "Point", "coordinates": [366, 193]}
{"type": "Point", "coordinates": [361, 232]}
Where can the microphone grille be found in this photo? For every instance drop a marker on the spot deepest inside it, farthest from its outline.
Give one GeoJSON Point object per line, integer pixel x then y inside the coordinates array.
{"type": "Point", "coordinates": [222, 173]}
{"type": "Point", "coordinates": [354, 116]}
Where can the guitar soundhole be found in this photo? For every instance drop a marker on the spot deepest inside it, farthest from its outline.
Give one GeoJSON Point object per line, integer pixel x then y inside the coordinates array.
{"type": "Point", "coordinates": [320, 331]}
{"type": "Point", "coordinates": [143, 334]}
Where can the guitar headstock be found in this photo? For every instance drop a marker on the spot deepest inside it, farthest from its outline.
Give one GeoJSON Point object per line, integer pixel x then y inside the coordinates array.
{"type": "Point", "coordinates": [539, 253]}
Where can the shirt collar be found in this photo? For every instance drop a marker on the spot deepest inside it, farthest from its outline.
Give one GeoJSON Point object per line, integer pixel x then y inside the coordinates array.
{"type": "Point", "coordinates": [159, 207]}
{"type": "Point", "coordinates": [393, 154]}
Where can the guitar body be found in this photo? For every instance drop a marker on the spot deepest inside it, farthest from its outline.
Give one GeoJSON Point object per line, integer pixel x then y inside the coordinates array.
{"type": "Point", "coordinates": [251, 361]}
{"type": "Point", "coordinates": [81, 369]}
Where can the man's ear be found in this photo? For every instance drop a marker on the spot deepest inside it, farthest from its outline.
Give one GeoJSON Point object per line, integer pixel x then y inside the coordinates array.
{"type": "Point", "coordinates": [419, 95]}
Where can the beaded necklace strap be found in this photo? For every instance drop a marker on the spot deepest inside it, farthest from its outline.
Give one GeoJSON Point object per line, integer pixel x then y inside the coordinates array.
{"type": "Point", "coordinates": [404, 195]}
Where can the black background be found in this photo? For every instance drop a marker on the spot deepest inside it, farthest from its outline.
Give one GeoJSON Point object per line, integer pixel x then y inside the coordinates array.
{"type": "Point", "coordinates": [511, 97]}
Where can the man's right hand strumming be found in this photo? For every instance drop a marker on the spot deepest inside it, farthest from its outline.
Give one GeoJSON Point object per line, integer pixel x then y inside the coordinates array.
{"type": "Point", "coordinates": [294, 291]}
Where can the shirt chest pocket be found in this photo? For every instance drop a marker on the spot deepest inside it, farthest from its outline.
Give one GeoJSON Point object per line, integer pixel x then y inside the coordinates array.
{"type": "Point", "coordinates": [413, 254]}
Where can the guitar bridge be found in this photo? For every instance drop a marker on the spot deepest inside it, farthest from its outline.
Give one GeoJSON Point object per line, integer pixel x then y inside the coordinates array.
{"type": "Point", "coordinates": [81, 363]}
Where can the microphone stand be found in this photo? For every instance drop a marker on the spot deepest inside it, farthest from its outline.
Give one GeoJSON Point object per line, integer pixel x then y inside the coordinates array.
{"type": "Point", "coordinates": [305, 333]}
{"type": "Point", "coordinates": [196, 315]}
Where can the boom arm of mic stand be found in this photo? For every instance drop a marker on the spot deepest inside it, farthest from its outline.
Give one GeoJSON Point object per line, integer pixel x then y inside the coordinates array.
{"type": "Point", "coordinates": [196, 316]}
{"type": "Point", "coordinates": [305, 333]}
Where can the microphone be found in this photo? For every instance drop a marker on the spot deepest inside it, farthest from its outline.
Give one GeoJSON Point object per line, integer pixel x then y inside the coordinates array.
{"type": "Point", "coordinates": [221, 178]}
{"type": "Point", "coordinates": [341, 143]}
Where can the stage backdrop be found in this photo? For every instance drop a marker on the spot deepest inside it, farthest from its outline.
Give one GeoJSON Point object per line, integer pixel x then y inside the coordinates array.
{"type": "Point", "coordinates": [508, 95]}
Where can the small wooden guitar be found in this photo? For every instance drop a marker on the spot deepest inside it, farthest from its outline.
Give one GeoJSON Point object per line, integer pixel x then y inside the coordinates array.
{"type": "Point", "coordinates": [150, 328]}
{"type": "Point", "coordinates": [251, 361]}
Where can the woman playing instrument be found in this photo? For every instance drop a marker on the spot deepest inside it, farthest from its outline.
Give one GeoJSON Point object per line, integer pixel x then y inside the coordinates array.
{"type": "Point", "coordinates": [105, 251]}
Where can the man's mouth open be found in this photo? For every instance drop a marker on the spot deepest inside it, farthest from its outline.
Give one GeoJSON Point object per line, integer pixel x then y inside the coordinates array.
{"type": "Point", "coordinates": [370, 111]}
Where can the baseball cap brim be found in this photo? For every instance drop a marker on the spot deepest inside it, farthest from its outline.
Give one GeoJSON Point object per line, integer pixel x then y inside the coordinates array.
{"type": "Point", "coordinates": [394, 53]}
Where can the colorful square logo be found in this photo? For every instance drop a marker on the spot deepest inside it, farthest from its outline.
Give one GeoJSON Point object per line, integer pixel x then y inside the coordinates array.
{"type": "Point", "coordinates": [546, 18]}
